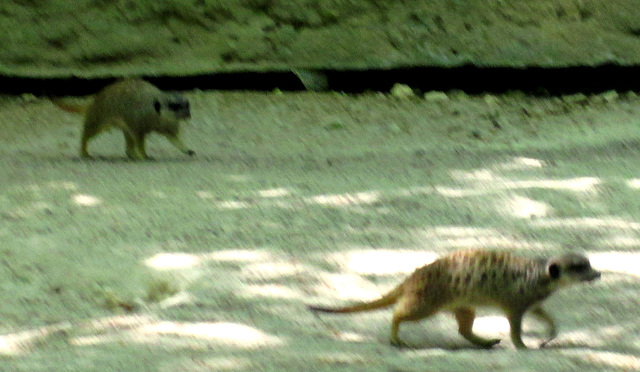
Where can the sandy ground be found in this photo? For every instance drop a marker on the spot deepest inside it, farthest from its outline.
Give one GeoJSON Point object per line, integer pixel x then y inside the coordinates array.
{"type": "Point", "coordinates": [207, 263]}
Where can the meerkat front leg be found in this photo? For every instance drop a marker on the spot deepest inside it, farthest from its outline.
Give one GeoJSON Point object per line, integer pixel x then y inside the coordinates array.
{"type": "Point", "coordinates": [542, 314]}
{"type": "Point", "coordinates": [177, 142]}
{"type": "Point", "coordinates": [515, 323]}
{"type": "Point", "coordinates": [465, 317]}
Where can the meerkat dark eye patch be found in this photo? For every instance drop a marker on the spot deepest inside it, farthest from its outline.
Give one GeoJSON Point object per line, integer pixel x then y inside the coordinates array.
{"type": "Point", "coordinates": [157, 106]}
{"type": "Point", "coordinates": [177, 106]}
{"type": "Point", "coordinates": [554, 271]}
{"type": "Point", "coordinates": [579, 267]}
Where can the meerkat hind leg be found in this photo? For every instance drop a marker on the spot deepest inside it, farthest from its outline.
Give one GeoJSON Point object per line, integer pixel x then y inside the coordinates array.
{"type": "Point", "coordinates": [88, 132]}
{"type": "Point", "coordinates": [133, 152]}
{"type": "Point", "coordinates": [395, 327]}
{"type": "Point", "coordinates": [406, 310]}
{"type": "Point", "coordinates": [465, 317]}
{"type": "Point", "coordinates": [141, 146]}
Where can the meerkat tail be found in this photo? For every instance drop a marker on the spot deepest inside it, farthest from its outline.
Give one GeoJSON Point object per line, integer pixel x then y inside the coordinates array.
{"type": "Point", "coordinates": [386, 301]}
{"type": "Point", "coordinates": [75, 107]}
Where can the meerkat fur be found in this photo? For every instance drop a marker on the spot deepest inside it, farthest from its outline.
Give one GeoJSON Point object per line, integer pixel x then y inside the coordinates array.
{"type": "Point", "coordinates": [464, 280]}
{"type": "Point", "coordinates": [137, 108]}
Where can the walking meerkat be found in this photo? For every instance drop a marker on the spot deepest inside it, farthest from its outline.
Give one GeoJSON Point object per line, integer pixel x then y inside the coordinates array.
{"type": "Point", "coordinates": [463, 280]}
{"type": "Point", "coordinates": [137, 108]}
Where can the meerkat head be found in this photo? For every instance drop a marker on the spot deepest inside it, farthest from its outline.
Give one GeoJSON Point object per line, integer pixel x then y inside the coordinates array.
{"type": "Point", "coordinates": [173, 106]}
{"type": "Point", "coordinates": [571, 268]}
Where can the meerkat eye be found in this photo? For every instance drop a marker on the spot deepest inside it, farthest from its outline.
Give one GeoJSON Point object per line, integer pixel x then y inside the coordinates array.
{"type": "Point", "coordinates": [157, 106]}
{"type": "Point", "coordinates": [554, 271]}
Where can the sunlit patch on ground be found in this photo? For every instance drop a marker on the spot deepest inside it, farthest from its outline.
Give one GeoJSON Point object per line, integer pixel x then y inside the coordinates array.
{"type": "Point", "coordinates": [588, 223]}
{"type": "Point", "coordinates": [22, 342]}
{"type": "Point", "coordinates": [520, 163]}
{"type": "Point", "coordinates": [179, 260]}
{"type": "Point", "coordinates": [381, 261]}
{"type": "Point", "coordinates": [86, 200]}
{"type": "Point", "coordinates": [618, 262]}
{"type": "Point", "coordinates": [274, 193]}
{"type": "Point", "coordinates": [228, 333]}
{"type": "Point", "coordinates": [491, 326]}
{"type": "Point", "coordinates": [489, 183]}
{"type": "Point", "coordinates": [53, 185]}
{"type": "Point", "coordinates": [601, 336]}
{"type": "Point", "coordinates": [344, 359]}
{"type": "Point", "coordinates": [233, 204]}
{"type": "Point", "coordinates": [497, 326]}
{"type": "Point", "coordinates": [522, 207]}
{"type": "Point", "coordinates": [459, 231]}
{"type": "Point", "coordinates": [239, 255]}
{"type": "Point", "coordinates": [178, 299]}
{"type": "Point", "coordinates": [606, 359]}
{"type": "Point", "coordinates": [272, 270]}
{"type": "Point", "coordinates": [205, 194]}
{"type": "Point", "coordinates": [31, 209]}
{"type": "Point", "coordinates": [164, 261]}
{"type": "Point", "coordinates": [460, 237]}
{"type": "Point", "coordinates": [272, 291]}
{"type": "Point", "coordinates": [182, 334]}
{"type": "Point", "coordinates": [575, 338]}
{"type": "Point", "coordinates": [365, 197]}
{"type": "Point", "coordinates": [634, 183]}
{"type": "Point", "coordinates": [349, 287]}
{"type": "Point", "coordinates": [619, 241]}
{"type": "Point", "coordinates": [350, 337]}
{"type": "Point", "coordinates": [143, 325]}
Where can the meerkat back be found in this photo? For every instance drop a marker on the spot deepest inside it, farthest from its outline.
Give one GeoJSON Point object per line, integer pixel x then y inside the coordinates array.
{"type": "Point", "coordinates": [127, 102]}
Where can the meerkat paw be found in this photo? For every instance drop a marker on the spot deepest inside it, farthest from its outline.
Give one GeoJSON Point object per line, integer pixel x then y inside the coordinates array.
{"type": "Point", "coordinates": [396, 342]}
{"type": "Point", "coordinates": [134, 156]}
{"type": "Point", "coordinates": [544, 343]}
{"type": "Point", "coordinates": [490, 343]}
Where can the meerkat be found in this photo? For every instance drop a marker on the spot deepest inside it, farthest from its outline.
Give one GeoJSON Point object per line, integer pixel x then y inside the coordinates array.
{"type": "Point", "coordinates": [137, 108]}
{"type": "Point", "coordinates": [463, 280]}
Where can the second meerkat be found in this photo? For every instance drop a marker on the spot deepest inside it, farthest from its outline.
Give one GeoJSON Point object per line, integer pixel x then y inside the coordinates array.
{"type": "Point", "coordinates": [137, 108]}
{"type": "Point", "coordinates": [463, 280]}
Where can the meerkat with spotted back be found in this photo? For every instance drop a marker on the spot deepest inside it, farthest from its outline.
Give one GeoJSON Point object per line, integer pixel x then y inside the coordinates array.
{"type": "Point", "coordinates": [464, 280]}
{"type": "Point", "coordinates": [137, 108]}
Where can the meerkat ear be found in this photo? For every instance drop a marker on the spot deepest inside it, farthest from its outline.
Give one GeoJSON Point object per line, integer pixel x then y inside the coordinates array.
{"type": "Point", "coordinates": [554, 271]}
{"type": "Point", "coordinates": [156, 105]}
